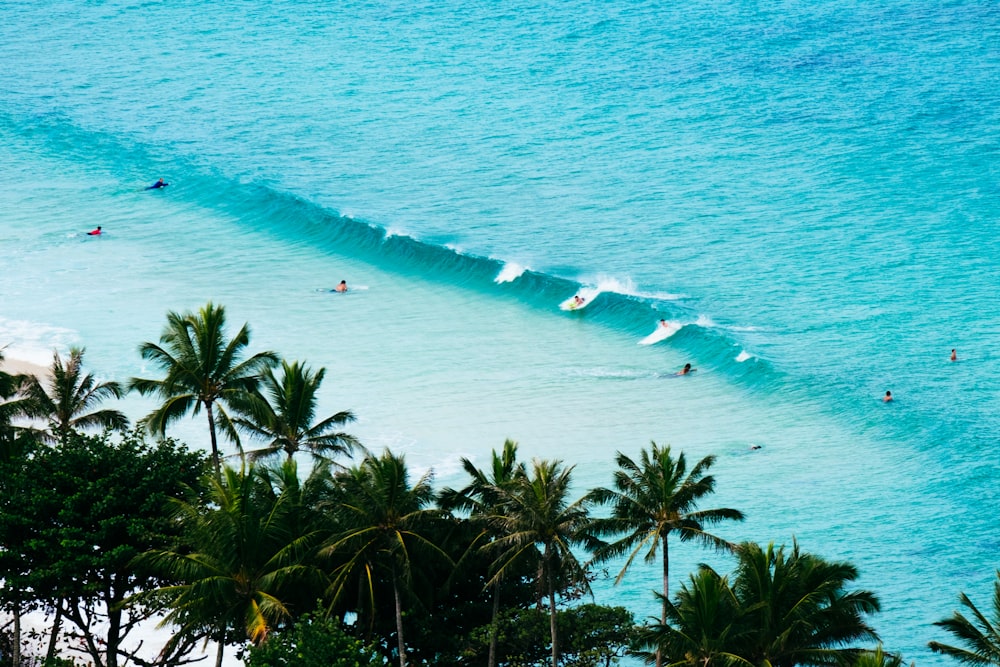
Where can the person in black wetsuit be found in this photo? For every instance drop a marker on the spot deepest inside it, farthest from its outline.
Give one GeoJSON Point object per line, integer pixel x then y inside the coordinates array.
{"type": "Point", "coordinates": [159, 184]}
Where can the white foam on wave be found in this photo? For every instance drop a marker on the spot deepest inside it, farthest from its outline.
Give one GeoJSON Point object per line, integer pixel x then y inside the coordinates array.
{"type": "Point", "coordinates": [33, 342]}
{"type": "Point", "coordinates": [743, 356]}
{"type": "Point", "coordinates": [705, 322]}
{"type": "Point", "coordinates": [509, 272]}
{"type": "Point", "coordinates": [663, 331]}
{"type": "Point", "coordinates": [588, 294]}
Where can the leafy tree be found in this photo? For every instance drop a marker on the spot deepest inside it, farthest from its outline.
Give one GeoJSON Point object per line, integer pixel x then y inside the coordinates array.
{"type": "Point", "coordinates": [483, 497]}
{"type": "Point", "coordinates": [590, 636]}
{"type": "Point", "coordinates": [703, 627]}
{"type": "Point", "coordinates": [979, 633]}
{"type": "Point", "coordinates": [783, 609]}
{"type": "Point", "coordinates": [80, 512]}
{"type": "Point", "coordinates": [204, 369]}
{"type": "Point", "coordinates": [385, 524]}
{"type": "Point", "coordinates": [283, 413]}
{"type": "Point", "coordinates": [15, 446]}
{"type": "Point", "coordinates": [879, 658]}
{"type": "Point", "coordinates": [312, 641]}
{"type": "Point", "coordinates": [797, 608]}
{"type": "Point", "coordinates": [67, 396]}
{"type": "Point", "coordinates": [244, 548]}
{"type": "Point", "coordinates": [539, 522]}
{"type": "Point", "coordinates": [653, 499]}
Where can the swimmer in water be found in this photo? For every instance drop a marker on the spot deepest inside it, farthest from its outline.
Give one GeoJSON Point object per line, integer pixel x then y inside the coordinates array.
{"type": "Point", "coordinates": [159, 184]}
{"type": "Point", "coordinates": [954, 356]}
{"type": "Point", "coordinates": [95, 232]}
{"type": "Point", "coordinates": [342, 287]}
{"type": "Point", "coordinates": [887, 397]}
{"type": "Point", "coordinates": [687, 369]}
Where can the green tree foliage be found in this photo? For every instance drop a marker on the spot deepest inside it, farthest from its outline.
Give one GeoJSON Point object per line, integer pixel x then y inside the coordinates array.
{"type": "Point", "coordinates": [282, 411]}
{"type": "Point", "coordinates": [783, 608]}
{"type": "Point", "coordinates": [312, 641]}
{"type": "Point", "coordinates": [653, 499]}
{"type": "Point", "coordinates": [977, 634]}
{"type": "Point", "coordinates": [68, 396]}
{"type": "Point", "coordinates": [538, 522]}
{"type": "Point", "coordinates": [385, 532]}
{"type": "Point", "coordinates": [485, 496]}
{"type": "Point", "coordinates": [78, 514]}
{"type": "Point", "coordinates": [879, 658]}
{"type": "Point", "coordinates": [590, 636]}
{"type": "Point", "coordinates": [203, 369]}
{"type": "Point", "coordinates": [704, 624]}
{"type": "Point", "coordinates": [246, 549]}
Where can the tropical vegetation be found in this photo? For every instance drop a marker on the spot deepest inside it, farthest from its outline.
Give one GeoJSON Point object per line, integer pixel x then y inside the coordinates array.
{"type": "Point", "coordinates": [350, 557]}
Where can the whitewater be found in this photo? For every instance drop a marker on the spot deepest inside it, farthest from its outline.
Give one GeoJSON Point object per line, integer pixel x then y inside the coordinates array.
{"type": "Point", "coordinates": [806, 194]}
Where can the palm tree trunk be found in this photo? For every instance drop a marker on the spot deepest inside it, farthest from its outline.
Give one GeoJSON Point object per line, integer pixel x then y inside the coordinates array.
{"type": "Point", "coordinates": [399, 621]}
{"type": "Point", "coordinates": [221, 650]}
{"type": "Point", "coordinates": [666, 592]}
{"type": "Point", "coordinates": [215, 440]}
{"type": "Point", "coordinates": [16, 639]}
{"type": "Point", "coordinates": [493, 625]}
{"type": "Point", "coordinates": [552, 622]}
{"type": "Point", "coordinates": [54, 637]}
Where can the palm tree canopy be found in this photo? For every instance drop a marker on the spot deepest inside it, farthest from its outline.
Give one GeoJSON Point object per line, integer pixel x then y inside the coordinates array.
{"type": "Point", "coordinates": [382, 518]}
{"type": "Point", "coordinates": [282, 412]}
{"type": "Point", "coordinates": [652, 499]}
{"type": "Point", "coordinates": [67, 396]}
{"type": "Point", "coordinates": [703, 625]}
{"type": "Point", "coordinates": [488, 487]}
{"type": "Point", "coordinates": [798, 608]}
{"type": "Point", "coordinates": [248, 550]}
{"type": "Point", "coordinates": [979, 633]}
{"type": "Point", "coordinates": [536, 521]}
{"type": "Point", "coordinates": [202, 369]}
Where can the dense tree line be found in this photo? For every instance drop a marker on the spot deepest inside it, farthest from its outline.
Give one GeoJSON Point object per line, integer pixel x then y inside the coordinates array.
{"type": "Point", "coordinates": [353, 561]}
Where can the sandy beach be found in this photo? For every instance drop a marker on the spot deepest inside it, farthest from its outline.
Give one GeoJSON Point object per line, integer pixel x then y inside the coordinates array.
{"type": "Point", "coordinates": [19, 367]}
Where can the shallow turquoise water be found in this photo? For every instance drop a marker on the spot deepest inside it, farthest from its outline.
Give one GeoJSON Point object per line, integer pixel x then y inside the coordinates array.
{"type": "Point", "coordinates": [810, 189]}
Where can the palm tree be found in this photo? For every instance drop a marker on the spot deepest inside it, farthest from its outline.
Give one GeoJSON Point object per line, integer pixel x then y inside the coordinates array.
{"type": "Point", "coordinates": [12, 406]}
{"type": "Point", "coordinates": [203, 369]}
{"type": "Point", "coordinates": [703, 627]}
{"type": "Point", "coordinates": [286, 419]}
{"type": "Point", "coordinates": [67, 397]}
{"type": "Point", "coordinates": [652, 499]}
{"type": "Point", "coordinates": [783, 609]}
{"type": "Point", "coordinates": [538, 522]}
{"type": "Point", "coordinates": [484, 497]}
{"type": "Point", "coordinates": [797, 610]}
{"type": "Point", "coordinates": [15, 445]}
{"type": "Point", "coordinates": [384, 520]}
{"type": "Point", "coordinates": [879, 658]}
{"type": "Point", "coordinates": [245, 552]}
{"type": "Point", "coordinates": [978, 632]}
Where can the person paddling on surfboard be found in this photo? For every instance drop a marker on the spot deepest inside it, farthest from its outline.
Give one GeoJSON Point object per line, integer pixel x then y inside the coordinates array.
{"type": "Point", "coordinates": [95, 232]}
{"type": "Point", "coordinates": [342, 287]}
{"type": "Point", "coordinates": [159, 184]}
{"type": "Point", "coordinates": [687, 369]}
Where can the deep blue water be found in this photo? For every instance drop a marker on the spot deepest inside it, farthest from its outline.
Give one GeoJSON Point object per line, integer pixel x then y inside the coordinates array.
{"type": "Point", "coordinates": [809, 190]}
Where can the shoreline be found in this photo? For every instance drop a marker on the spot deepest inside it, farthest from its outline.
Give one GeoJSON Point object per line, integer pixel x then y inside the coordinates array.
{"type": "Point", "coordinates": [21, 367]}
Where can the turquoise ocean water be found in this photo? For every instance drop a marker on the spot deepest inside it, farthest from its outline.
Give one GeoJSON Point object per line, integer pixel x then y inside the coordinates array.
{"type": "Point", "coordinates": [808, 190]}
